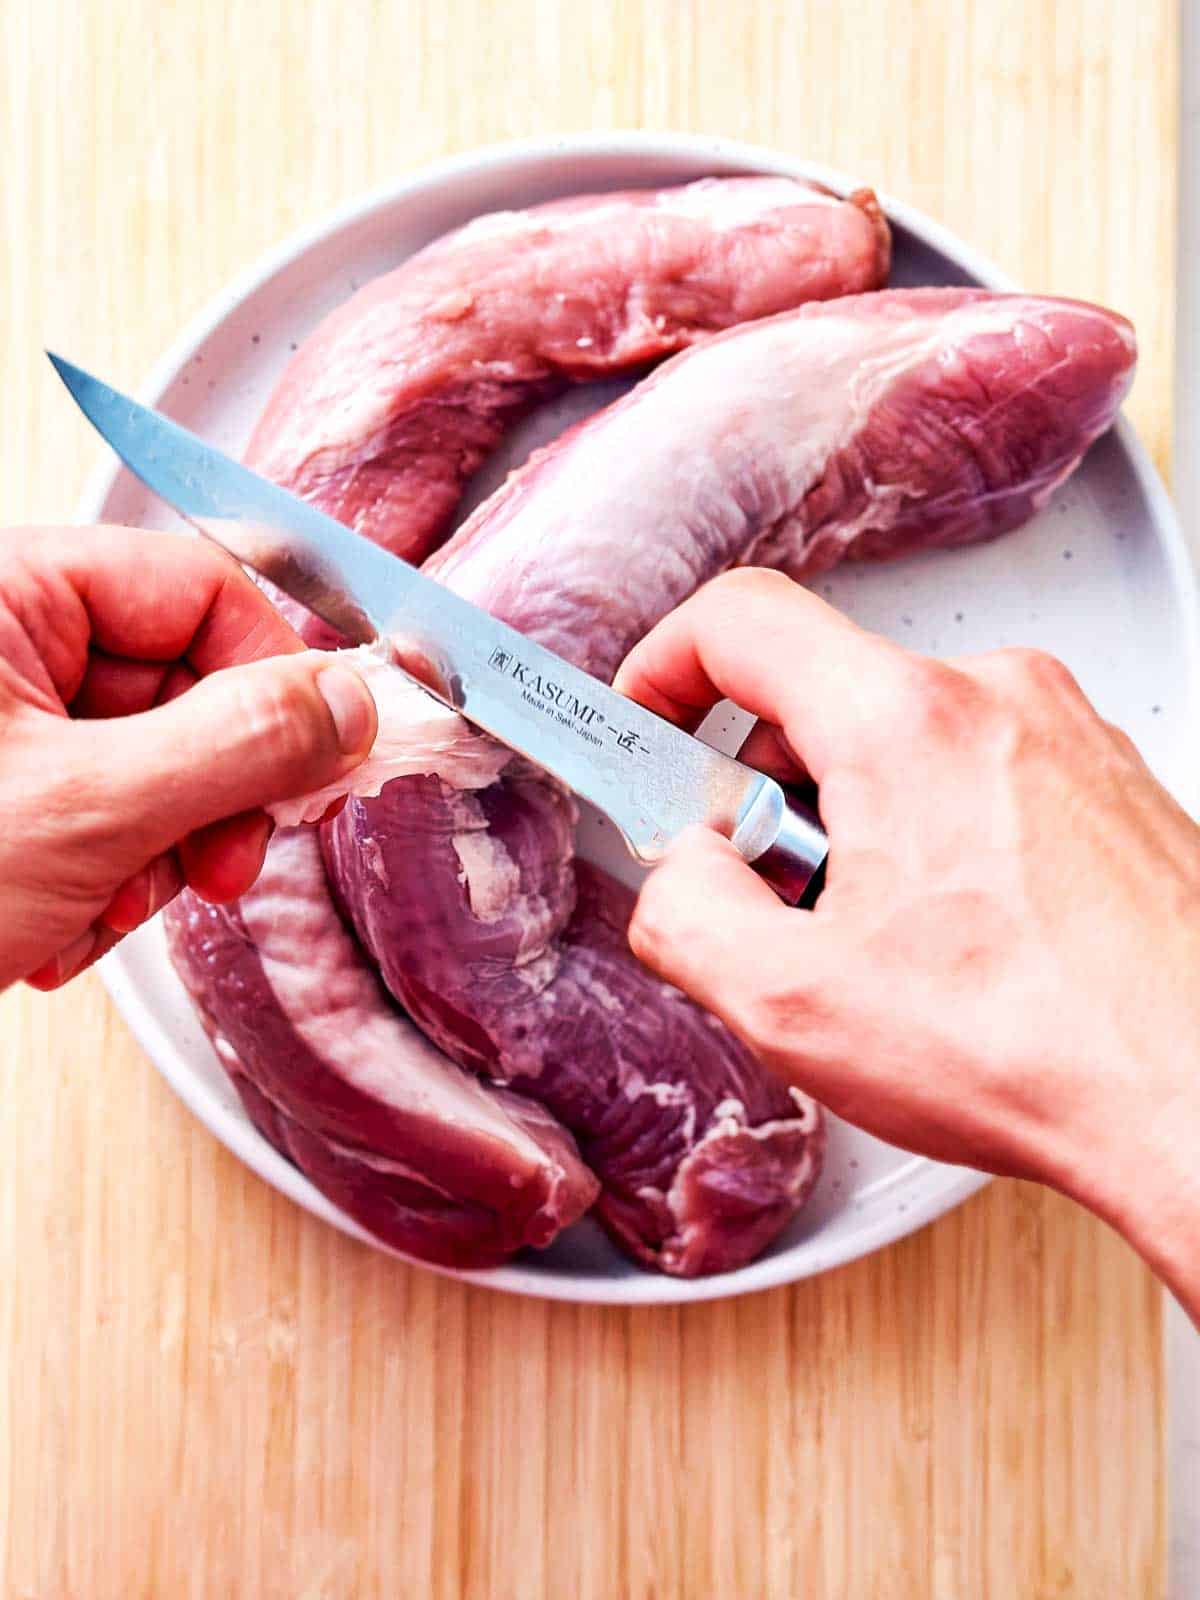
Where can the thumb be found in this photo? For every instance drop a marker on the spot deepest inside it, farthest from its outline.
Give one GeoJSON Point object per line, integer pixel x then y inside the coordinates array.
{"type": "Point", "coordinates": [241, 738]}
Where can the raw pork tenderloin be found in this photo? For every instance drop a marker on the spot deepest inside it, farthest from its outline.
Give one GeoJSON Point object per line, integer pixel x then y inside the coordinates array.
{"type": "Point", "coordinates": [403, 391]}
{"type": "Point", "coordinates": [872, 425]}
{"type": "Point", "coordinates": [869, 426]}
{"type": "Point", "coordinates": [380, 419]}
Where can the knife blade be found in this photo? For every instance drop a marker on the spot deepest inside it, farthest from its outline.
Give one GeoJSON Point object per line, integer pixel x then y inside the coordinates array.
{"type": "Point", "coordinates": [649, 777]}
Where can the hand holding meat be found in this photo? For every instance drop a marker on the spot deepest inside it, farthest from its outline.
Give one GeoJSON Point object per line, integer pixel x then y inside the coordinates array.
{"type": "Point", "coordinates": [114, 790]}
{"type": "Point", "coordinates": [1002, 970]}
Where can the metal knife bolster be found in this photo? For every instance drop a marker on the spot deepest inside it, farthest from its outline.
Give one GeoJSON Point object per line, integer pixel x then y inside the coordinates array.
{"type": "Point", "coordinates": [794, 865]}
{"type": "Point", "coordinates": [782, 839]}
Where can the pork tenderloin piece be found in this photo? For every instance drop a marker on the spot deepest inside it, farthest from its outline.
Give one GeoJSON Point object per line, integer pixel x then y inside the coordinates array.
{"type": "Point", "coordinates": [403, 391]}
{"type": "Point", "coordinates": [421, 1153]}
{"type": "Point", "coordinates": [869, 427]}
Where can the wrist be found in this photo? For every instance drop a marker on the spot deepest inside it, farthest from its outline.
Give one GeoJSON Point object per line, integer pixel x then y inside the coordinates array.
{"type": "Point", "coordinates": [1141, 1174]}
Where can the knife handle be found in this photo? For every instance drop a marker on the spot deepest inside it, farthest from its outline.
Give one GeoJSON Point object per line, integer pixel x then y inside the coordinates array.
{"type": "Point", "coordinates": [794, 863]}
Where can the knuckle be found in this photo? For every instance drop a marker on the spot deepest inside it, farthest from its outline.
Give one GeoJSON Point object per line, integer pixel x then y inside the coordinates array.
{"type": "Point", "coordinates": [932, 702]}
{"type": "Point", "coordinates": [928, 685]}
{"type": "Point", "coordinates": [653, 929]}
{"type": "Point", "coordinates": [1021, 668]}
{"type": "Point", "coordinates": [1122, 743]}
{"type": "Point", "coordinates": [641, 935]}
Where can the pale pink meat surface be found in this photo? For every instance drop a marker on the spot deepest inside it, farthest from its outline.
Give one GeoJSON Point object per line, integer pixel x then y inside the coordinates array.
{"type": "Point", "coordinates": [870, 426]}
{"type": "Point", "coordinates": [403, 391]}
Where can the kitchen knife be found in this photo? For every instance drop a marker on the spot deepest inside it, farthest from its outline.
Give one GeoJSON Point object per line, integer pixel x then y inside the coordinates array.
{"type": "Point", "coordinates": [651, 778]}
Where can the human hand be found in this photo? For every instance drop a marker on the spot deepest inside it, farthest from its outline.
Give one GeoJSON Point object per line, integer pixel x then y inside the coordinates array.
{"type": "Point", "coordinates": [1004, 967]}
{"type": "Point", "coordinates": [151, 700]}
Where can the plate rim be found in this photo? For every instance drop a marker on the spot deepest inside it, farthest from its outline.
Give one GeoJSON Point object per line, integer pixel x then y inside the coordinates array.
{"type": "Point", "coordinates": [235, 1131]}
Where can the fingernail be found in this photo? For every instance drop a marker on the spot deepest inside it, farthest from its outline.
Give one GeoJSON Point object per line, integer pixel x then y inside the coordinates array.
{"type": "Point", "coordinates": [65, 964]}
{"type": "Point", "coordinates": [352, 708]}
{"type": "Point", "coordinates": [76, 955]}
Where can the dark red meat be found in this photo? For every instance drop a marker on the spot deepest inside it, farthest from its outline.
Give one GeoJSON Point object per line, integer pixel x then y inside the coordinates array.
{"type": "Point", "coordinates": [416, 1150]}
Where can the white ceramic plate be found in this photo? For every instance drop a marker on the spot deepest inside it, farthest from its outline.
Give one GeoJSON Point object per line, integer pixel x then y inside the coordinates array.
{"type": "Point", "coordinates": [1101, 578]}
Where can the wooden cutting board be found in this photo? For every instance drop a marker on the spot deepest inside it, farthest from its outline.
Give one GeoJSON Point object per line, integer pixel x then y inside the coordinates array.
{"type": "Point", "coordinates": [203, 1392]}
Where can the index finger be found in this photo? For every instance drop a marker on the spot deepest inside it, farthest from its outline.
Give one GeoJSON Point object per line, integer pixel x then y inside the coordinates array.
{"type": "Point", "coordinates": [776, 650]}
{"type": "Point", "coordinates": [164, 597]}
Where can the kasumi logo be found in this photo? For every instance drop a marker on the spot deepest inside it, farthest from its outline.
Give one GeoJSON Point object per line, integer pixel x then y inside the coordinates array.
{"type": "Point", "coordinates": [542, 688]}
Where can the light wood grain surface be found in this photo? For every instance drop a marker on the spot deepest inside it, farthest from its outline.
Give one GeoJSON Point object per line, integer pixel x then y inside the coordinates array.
{"type": "Point", "coordinates": [204, 1392]}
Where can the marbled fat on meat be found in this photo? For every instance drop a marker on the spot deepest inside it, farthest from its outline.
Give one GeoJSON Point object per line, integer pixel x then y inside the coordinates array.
{"type": "Point", "coordinates": [870, 426]}
{"type": "Point", "coordinates": [514, 961]}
